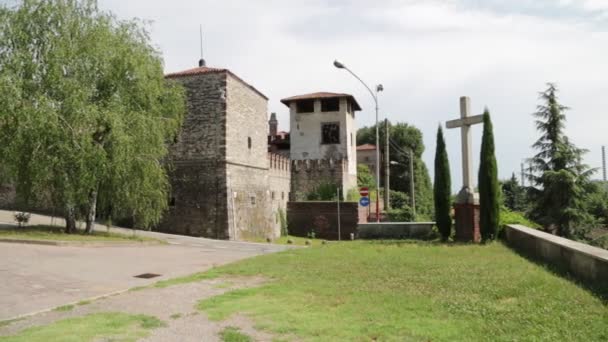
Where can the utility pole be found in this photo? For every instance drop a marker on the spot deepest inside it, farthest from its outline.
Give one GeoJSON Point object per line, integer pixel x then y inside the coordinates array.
{"type": "Point", "coordinates": [412, 187]}
{"type": "Point", "coordinates": [604, 162]}
{"type": "Point", "coordinates": [386, 167]}
{"type": "Point", "coordinates": [523, 182]}
{"type": "Point", "coordinates": [339, 232]}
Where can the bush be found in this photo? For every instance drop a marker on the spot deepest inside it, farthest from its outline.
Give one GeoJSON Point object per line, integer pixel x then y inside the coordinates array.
{"type": "Point", "coordinates": [514, 217]}
{"type": "Point", "coordinates": [325, 191]}
{"type": "Point", "coordinates": [404, 214]}
{"type": "Point", "coordinates": [399, 199]}
{"type": "Point", "coordinates": [22, 218]}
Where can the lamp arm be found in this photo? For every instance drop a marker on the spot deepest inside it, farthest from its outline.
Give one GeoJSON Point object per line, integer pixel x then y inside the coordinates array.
{"type": "Point", "coordinates": [364, 84]}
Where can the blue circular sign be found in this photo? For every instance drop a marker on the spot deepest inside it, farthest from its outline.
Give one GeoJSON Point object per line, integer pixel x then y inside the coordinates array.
{"type": "Point", "coordinates": [364, 201]}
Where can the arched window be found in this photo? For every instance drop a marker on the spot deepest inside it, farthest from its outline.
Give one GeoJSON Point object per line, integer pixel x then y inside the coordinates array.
{"type": "Point", "coordinates": [249, 142]}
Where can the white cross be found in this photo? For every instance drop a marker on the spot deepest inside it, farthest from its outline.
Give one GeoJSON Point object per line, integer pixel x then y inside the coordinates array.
{"type": "Point", "coordinates": [467, 193]}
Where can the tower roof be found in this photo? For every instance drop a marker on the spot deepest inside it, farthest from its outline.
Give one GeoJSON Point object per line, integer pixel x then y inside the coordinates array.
{"type": "Point", "coordinates": [322, 95]}
{"type": "Point", "coordinates": [202, 70]}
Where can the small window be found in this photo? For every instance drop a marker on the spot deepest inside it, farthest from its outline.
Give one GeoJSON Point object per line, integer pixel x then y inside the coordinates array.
{"type": "Point", "coordinates": [305, 106]}
{"type": "Point", "coordinates": [330, 133]}
{"type": "Point", "coordinates": [172, 202]}
{"type": "Point", "coordinates": [282, 195]}
{"type": "Point", "coordinates": [366, 159]}
{"type": "Point", "coordinates": [252, 198]}
{"type": "Point", "coordinates": [249, 142]}
{"type": "Point", "coordinates": [272, 195]}
{"type": "Point", "coordinates": [330, 105]}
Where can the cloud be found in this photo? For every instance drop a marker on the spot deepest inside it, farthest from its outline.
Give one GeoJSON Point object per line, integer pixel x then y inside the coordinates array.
{"type": "Point", "coordinates": [426, 53]}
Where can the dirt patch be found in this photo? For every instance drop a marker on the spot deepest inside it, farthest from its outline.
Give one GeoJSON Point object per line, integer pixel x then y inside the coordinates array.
{"type": "Point", "coordinates": [175, 305]}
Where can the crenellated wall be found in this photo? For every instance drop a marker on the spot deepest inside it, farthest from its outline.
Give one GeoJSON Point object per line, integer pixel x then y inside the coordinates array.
{"type": "Point", "coordinates": [307, 175]}
{"type": "Point", "coordinates": [279, 182]}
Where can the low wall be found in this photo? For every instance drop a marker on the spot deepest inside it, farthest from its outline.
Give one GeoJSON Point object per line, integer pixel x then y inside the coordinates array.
{"type": "Point", "coordinates": [322, 218]}
{"type": "Point", "coordinates": [395, 230]}
{"type": "Point", "coordinates": [586, 262]}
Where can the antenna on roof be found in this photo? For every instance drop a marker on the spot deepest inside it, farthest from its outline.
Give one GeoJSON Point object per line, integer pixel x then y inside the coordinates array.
{"type": "Point", "coordinates": [201, 62]}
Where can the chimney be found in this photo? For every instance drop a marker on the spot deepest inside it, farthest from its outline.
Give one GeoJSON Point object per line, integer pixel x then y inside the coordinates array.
{"type": "Point", "coordinates": [274, 125]}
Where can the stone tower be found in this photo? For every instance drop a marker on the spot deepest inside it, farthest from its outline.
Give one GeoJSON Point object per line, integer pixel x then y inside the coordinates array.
{"type": "Point", "coordinates": [273, 125]}
{"type": "Point", "coordinates": [323, 138]}
{"type": "Point", "coordinates": [222, 177]}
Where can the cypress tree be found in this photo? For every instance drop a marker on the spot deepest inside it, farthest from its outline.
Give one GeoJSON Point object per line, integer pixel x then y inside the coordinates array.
{"type": "Point", "coordinates": [442, 188]}
{"type": "Point", "coordinates": [489, 210]}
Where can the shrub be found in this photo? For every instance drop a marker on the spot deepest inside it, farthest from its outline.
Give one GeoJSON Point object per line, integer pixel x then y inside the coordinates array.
{"type": "Point", "coordinates": [22, 218]}
{"type": "Point", "coordinates": [399, 199]}
{"type": "Point", "coordinates": [404, 214]}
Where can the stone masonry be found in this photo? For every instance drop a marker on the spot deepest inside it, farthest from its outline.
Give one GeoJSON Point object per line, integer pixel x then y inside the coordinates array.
{"type": "Point", "coordinates": [219, 166]}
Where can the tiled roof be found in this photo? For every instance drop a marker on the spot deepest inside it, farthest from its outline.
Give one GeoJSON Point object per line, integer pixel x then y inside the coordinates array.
{"type": "Point", "coordinates": [195, 71]}
{"type": "Point", "coordinates": [321, 95]}
{"type": "Point", "coordinates": [207, 70]}
{"type": "Point", "coordinates": [366, 147]}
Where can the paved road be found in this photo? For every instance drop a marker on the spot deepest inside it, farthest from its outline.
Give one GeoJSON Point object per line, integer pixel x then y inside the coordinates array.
{"type": "Point", "coordinates": [36, 277]}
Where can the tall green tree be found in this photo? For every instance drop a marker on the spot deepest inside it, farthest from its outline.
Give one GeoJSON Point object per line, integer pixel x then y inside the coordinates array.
{"type": "Point", "coordinates": [85, 111]}
{"type": "Point", "coordinates": [489, 189]}
{"type": "Point", "coordinates": [558, 176]}
{"type": "Point", "coordinates": [442, 189]}
{"type": "Point", "coordinates": [514, 195]}
{"type": "Point", "coordinates": [403, 138]}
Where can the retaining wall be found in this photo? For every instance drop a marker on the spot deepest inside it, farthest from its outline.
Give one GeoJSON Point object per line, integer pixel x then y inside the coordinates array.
{"type": "Point", "coordinates": [322, 218]}
{"type": "Point", "coordinates": [586, 262]}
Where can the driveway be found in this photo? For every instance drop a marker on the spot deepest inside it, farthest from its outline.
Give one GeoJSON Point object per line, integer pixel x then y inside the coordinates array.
{"type": "Point", "coordinates": [37, 278]}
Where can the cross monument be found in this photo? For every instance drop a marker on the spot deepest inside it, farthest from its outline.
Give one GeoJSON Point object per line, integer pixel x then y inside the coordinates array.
{"type": "Point", "coordinates": [467, 202]}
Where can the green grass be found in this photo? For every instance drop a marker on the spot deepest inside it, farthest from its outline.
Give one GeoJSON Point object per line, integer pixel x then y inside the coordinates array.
{"type": "Point", "coordinates": [176, 316]}
{"type": "Point", "coordinates": [297, 241]}
{"type": "Point", "coordinates": [64, 308]}
{"type": "Point", "coordinates": [9, 321]}
{"type": "Point", "coordinates": [362, 291]}
{"type": "Point", "coordinates": [232, 334]}
{"type": "Point", "coordinates": [56, 233]}
{"type": "Point", "coordinates": [95, 327]}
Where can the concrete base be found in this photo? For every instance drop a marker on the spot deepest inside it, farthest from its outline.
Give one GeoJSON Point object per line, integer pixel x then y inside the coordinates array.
{"type": "Point", "coordinates": [395, 230]}
{"type": "Point", "coordinates": [467, 222]}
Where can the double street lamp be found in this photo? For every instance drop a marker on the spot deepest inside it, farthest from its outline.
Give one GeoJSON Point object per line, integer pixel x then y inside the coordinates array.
{"type": "Point", "coordinates": [378, 89]}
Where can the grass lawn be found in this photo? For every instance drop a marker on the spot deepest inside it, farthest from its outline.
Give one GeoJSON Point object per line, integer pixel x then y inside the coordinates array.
{"type": "Point", "coordinates": [95, 327]}
{"type": "Point", "coordinates": [232, 334]}
{"type": "Point", "coordinates": [297, 241]}
{"type": "Point", "coordinates": [362, 291]}
{"type": "Point", "coordinates": [56, 233]}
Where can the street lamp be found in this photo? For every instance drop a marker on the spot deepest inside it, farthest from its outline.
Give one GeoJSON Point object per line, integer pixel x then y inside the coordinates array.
{"type": "Point", "coordinates": [378, 89]}
{"type": "Point", "coordinates": [412, 193]}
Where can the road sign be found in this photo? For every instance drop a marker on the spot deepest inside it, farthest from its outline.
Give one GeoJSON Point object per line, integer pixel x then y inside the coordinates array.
{"type": "Point", "coordinates": [364, 192]}
{"type": "Point", "coordinates": [364, 201]}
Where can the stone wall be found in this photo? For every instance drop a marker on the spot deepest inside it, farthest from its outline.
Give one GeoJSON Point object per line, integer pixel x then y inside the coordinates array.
{"type": "Point", "coordinates": [322, 218]}
{"type": "Point", "coordinates": [279, 181]}
{"type": "Point", "coordinates": [307, 175]}
{"type": "Point", "coordinates": [250, 204]}
{"type": "Point", "coordinates": [197, 162]}
{"type": "Point", "coordinates": [586, 262]}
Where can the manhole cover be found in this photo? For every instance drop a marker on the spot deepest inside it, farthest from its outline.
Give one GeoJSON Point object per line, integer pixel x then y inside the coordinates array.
{"type": "Point", "coordinates": [147, 275]}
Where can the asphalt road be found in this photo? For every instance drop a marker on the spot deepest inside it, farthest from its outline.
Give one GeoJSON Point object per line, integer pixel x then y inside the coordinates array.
{"type": "Point", "coordinates": [36, 278]}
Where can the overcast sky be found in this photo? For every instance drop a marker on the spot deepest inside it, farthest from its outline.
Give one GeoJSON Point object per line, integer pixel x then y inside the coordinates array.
{"type": "Point", "coordinates": [426, 54]}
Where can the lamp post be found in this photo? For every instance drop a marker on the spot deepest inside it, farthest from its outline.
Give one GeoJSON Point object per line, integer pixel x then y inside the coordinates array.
{"type": "Point", "coordinates": [378, 89]}
{"type": "Point", "coordinates": [411, 172]}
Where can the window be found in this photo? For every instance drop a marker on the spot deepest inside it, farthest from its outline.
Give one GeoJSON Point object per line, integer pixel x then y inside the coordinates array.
{"type": "Point", "coordinates": [249, 142]}
{"type": "Point", "coordinates": [330, 133]}
{"type": "Point", "coordinates": [172, 202]}
{"type": "Point", "coordinates": [282, 195]}
{"type": "Point", "coordinates": [305, 106]}
{"type": "Point", "coordinates": [272, 195]}
{"type": "Point", "coordinates": [252, 198]}
{"type": "Point", "coordinates": [330, 105]}
{"type": "Point", "coordinates": [366, 159]}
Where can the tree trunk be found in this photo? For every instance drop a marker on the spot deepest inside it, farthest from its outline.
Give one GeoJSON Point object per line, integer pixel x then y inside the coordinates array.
{"type": "Point", "coordinates": [70, 219]}
{"type": "Point", "coordinates": [90, 220]}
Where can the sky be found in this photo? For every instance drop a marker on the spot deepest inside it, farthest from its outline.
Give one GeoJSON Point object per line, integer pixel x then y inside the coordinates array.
{"type": "Point", "coordinates": [426, 54]}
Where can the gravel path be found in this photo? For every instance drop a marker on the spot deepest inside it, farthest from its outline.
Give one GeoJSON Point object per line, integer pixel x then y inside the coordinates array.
{"type": "Point", "coordinates": [175, 305]}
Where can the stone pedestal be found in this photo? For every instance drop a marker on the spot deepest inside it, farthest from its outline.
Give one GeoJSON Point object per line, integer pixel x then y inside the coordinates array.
{"type": "Point", "coordinates": [467, 217]}
{"type": "Point", "coordinates": [467, 222]}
